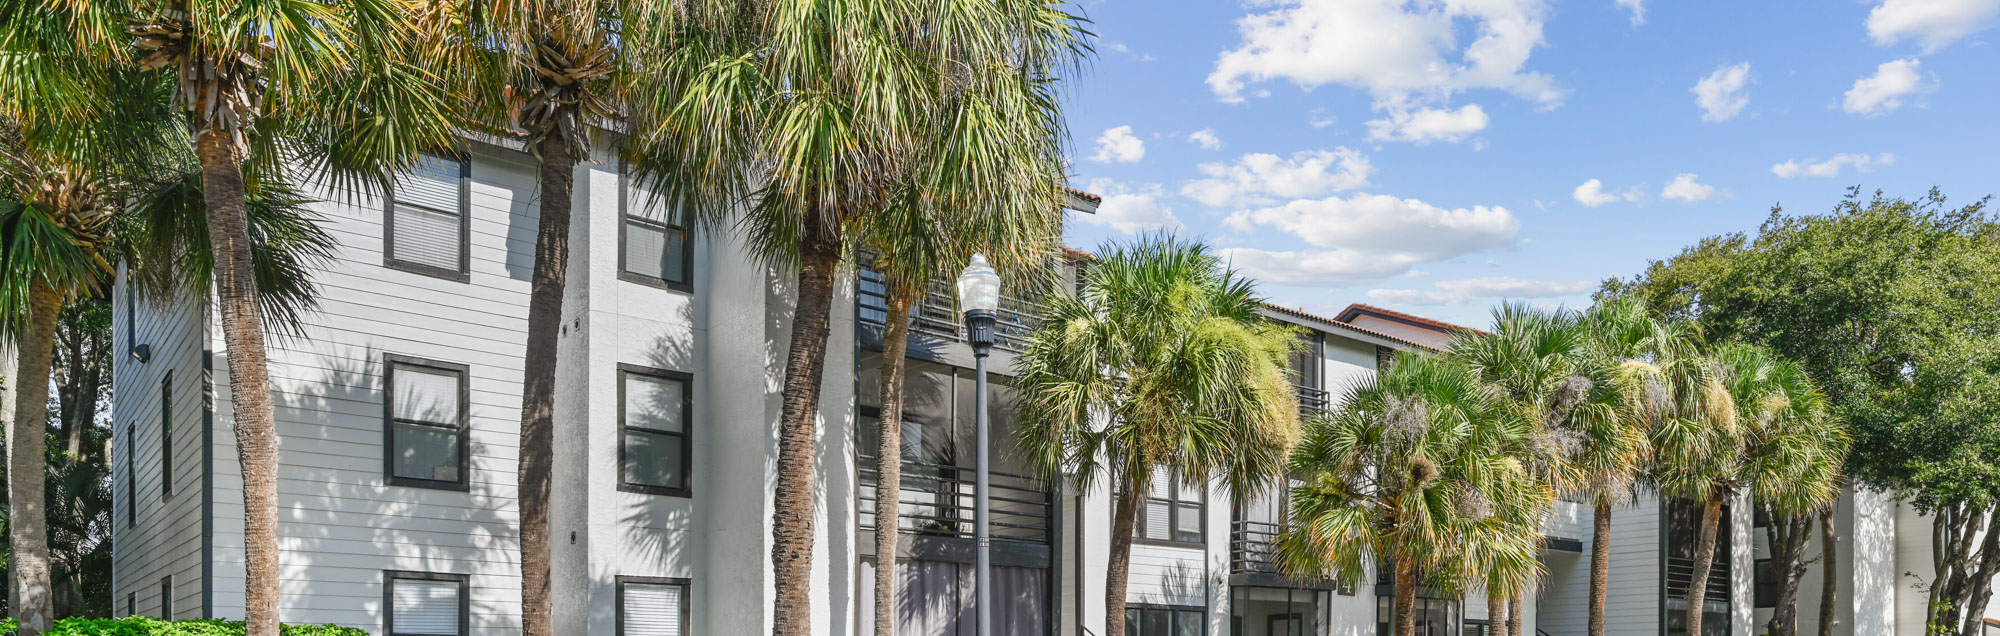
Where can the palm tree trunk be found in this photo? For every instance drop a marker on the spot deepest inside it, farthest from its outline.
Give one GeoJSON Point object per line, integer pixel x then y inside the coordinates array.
{"type": "Point", "coordinates": [538, 381]}
{"type": "Point", "coordinates": [249, 377]}
{"type": "Point", "coordinates": [1404, 609]}
{"type": "Point", "coordinates": [32, 602]}
{"type": "Point", "coordinates": [1704, 557]}
{"type": "Point", "coordinates": [1787, 538]}
{"type": "Point", "coordinates": [1515, 617]}
{"type": "Point", "coordinates": [1496, 613]}
{"type": "Point", "coordinates": [889, 458]}
{"type": "Point", "coordinates": [797, 490]}
{"type": "Point", "coordinates": [1600, 566]}
{"type": "Point", "coordinates": [1829, 569]}
{"type": "Point", "coordinates": [1124, 519]}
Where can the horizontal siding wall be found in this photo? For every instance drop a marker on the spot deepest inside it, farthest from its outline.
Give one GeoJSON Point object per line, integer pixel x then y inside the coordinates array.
{"type": "Point", "coordinates": [1632, 603]}
{"type": "Point", "coordinates": [166, 539]}
{"type": "Point", "coordinates": [341, 524]}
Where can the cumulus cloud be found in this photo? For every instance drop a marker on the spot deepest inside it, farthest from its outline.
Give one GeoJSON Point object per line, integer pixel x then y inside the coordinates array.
{"type": "Point", "coordinates": [1206, 139]}
{"type": "Point", "coordinates": [1130, 209]}
{"type": "Point", "coordinates": [1684, 188]}
{"type": "Point", "coordinates": [1387, 226]}
{"type": "Point", "coordinates": [1884, 91]}
{"type": "Point", "coordinates": [1263, 179]}
{"type": "Point", "coordinates": [1932, 23]}
{"type": "Point", "coordinates": [1721, 95]}
{"type": "Point", "coordinates": [1426, 125]}
{"type": "Point", "coordinates": [1592, 194]}
{"type": "Point", "coordinates": [1635, 7]}
{"type": "Point", "coordinates": [1118, 144]}
{"type": "Point", "coordinates": [1330, 268]}
{"type": "Point", "coordinates": [1319, 118]}
{"type": "Point", "coordinates": [1465, 290]}
{"type": "Point", "coordinates": [1831, 167]}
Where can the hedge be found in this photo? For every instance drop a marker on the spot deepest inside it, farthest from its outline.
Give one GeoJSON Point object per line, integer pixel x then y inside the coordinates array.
{"type": "Point", "coordinates": [149, 626]}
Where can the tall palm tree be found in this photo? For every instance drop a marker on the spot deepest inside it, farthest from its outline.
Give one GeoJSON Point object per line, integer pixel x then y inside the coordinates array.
{"type": "Point", "coordinates": [992, 185]}
{"type": "Point", "coordinates": [1171, 348]}
{"type": "Point", "coordinates": [1612, 444]}
{"type": "Point", "coordinates": [1419, 470]}
{"type": "Point", "coordinates": [325, 86]}
{"type": "Point", "coordinates": [795, 120]}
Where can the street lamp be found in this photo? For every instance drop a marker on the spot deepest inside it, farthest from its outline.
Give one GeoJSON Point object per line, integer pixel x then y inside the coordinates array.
{"type": "Point", "coordinates": [979, 295]}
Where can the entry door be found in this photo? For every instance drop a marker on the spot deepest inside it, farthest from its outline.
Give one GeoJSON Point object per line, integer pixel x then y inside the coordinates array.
{"type": "Point", "coordinates": [1286, 625]}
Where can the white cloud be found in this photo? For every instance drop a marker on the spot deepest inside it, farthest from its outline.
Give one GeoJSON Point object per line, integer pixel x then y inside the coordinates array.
{"type": "Point", "coordinates": [1635, 7]}
{"type": "Point", "coordinates": [1206, 139]}
{"type": "Point", "coordinates": [1721, 95]}
{"type": "Point", "coordinates": [1831, 167]}
{"type": "Point", "coordinates": [1684, 188]}
{"type": "Point", "coordinates": [1934, 23]}
{"type": "Point", "coordinates": [1319, 118]}
{"type": "Point", "coordinates": [1130, 210]}
{"type": "Point", "coordinates": [1332, 268]}
{"type": "Point", "coordinates": [1386, 226]}
{"type": "Point", "coordinates": [1884, 91]}
{"type": "Point", "coordinates": [1118, 144]}
{"type": "Point", "coordinates": [1401, 52]}
{"type": "Point", "coordinates": [1591, 193]}
{"type": "Point", "coordinates": [1465, 290]}
{"type": "Point", "coordinates": [1429, 124]}
{"type": "Point", "coordinates": [1263, 179]}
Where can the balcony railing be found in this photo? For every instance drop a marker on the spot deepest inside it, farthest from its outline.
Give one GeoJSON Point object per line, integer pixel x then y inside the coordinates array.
{"type": "Point", "coordinates": [1253, 546]}
{"type": "Point", "coordinates": [937, 500]}
{"type": "Point", "coordinates": [935, 314]}
{"type": "Point", "coordinates": [1311, 400]}
{"type": "Point", "coordinates": [1680, 572]}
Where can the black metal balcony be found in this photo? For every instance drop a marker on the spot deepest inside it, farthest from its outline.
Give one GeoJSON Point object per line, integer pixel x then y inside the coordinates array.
{"type": "Point", "coordinates": [937, 500]}
{"type": "Point", "coordinates": [1311, 400]}
{"type": "Point", "coordinates": [1253, 547]}
{"type": "Point", "coordinates": [935, 315]}
{"type": "Point", "coordinates": [1680, 572]}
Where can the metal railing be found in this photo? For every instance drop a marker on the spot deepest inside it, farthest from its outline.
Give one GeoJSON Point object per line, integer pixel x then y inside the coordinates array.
{"type": "Point", "coordinates": [937, 500]}
{"type": "Point", "coordinates": [1253, 546]}
{"type": "Point", "coordinates": [936, 314]}
{"type": "Point", "coordinates": [1311, 400]}
{"type": "Point", "coordinates": [1680, 572]}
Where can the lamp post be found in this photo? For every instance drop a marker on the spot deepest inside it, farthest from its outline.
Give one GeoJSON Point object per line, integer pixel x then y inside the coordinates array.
{"type": "Point", "coordinates": [979, 295]}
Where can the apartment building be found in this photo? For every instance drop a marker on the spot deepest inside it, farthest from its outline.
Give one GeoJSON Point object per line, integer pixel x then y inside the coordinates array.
{"type": "Point", "coordinates": [397, 410]}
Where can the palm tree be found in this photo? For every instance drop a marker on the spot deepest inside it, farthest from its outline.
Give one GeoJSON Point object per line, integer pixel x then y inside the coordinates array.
{"type": "Point", "coordinates": [1419, 470]}
{"type": "Point", "coordinates": [1172, 349]}
{"type": "Point", "coordinates": [745, 99]}
{"type": "Point", "coordinates": [331, 86]}
{"type": "Point", "coordinates": [992, 185]}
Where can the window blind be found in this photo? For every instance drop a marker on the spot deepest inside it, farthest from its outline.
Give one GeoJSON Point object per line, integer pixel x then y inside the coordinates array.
{"type": "Point", "coordinates": [428, 225]}
{"type": "Point", "coordinates": [426, 395]}
{"type": "Point", "coordinates": [425, 608]}
{"type": "Point", "coordinates": [652, 609]}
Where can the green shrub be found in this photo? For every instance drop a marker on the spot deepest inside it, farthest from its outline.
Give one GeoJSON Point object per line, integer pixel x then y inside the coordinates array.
{"type": "Point", "coordinates": [148, 626]}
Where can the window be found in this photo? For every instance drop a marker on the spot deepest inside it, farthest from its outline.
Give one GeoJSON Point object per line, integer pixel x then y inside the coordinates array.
{"type": "Point", "coordinates": [428, 221]}
{"type": "Point", "coordinates": [167, 436]}
{"type": "Point", "coordinates": [654, 245]}
{"type": "Point", "coordinates": [424, 423]}
{"type": "Point", "coordinates": [652, 606]}
{"type": "Point", "coordinates": [1153, 620]}
{"type": "Point", "coordinates": [424, 604]}
{"type": "Point", "coordinates": [1435, 616]}
{"type": "Point", "coordinates": [167, 597]}
{"type": "Point", "coordinates": [131, 478]}
{"type": "Point", "coordinates": [131, 603]}
{"type": "Point", "coordinates": [1173, 511]}
{"type": "Point", "coordinates": [653, 418]}
{"type": "Point", "coordinates": [1764, 576]}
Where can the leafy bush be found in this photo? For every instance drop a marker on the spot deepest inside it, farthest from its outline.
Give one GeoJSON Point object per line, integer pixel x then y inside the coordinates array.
{"type": "Point", "coordinates": [148, 626]}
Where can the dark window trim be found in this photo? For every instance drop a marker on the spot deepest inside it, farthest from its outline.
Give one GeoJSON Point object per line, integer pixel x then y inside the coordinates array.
{"type": "Point", "coordinates": [167, 436]}
{"type": "Point", "coordinates": [1173, 615]}
{"type": "Point", "coordinates": [389, 260]}
{"type": "Point", "coordinates": [389, 578]}
{"type": "Point", "coordinates": [389, 362]}
{"type": "Point", "coordinates": [686, 489]}
{"type": "Point", "coordinates": [167, 597]}
{"type": "Point", "coordinates": [625, 218]}
{"type": "Point", "coordinates": [131, 475]}
{"type": "Point", "coordinates": [687, 593]}
{"type": "Point", "coordinates": [1173, 516]}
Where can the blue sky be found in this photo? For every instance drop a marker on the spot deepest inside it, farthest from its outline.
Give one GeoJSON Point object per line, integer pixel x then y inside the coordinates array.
{"type": "Point", "coordinates": [1437, 156]}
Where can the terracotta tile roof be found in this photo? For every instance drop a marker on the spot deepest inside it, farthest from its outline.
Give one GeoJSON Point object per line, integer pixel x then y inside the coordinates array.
{"type": "Point", "coordinates": [1348, 314]}
{"type": "Point", "coordinates": [1076, 255]}
{"type": "Point", "coordinates": [1085, 195]}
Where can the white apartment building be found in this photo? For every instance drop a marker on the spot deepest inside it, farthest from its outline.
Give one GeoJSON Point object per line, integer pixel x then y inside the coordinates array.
{"type": "Point", "coordinates": [398, 408]}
